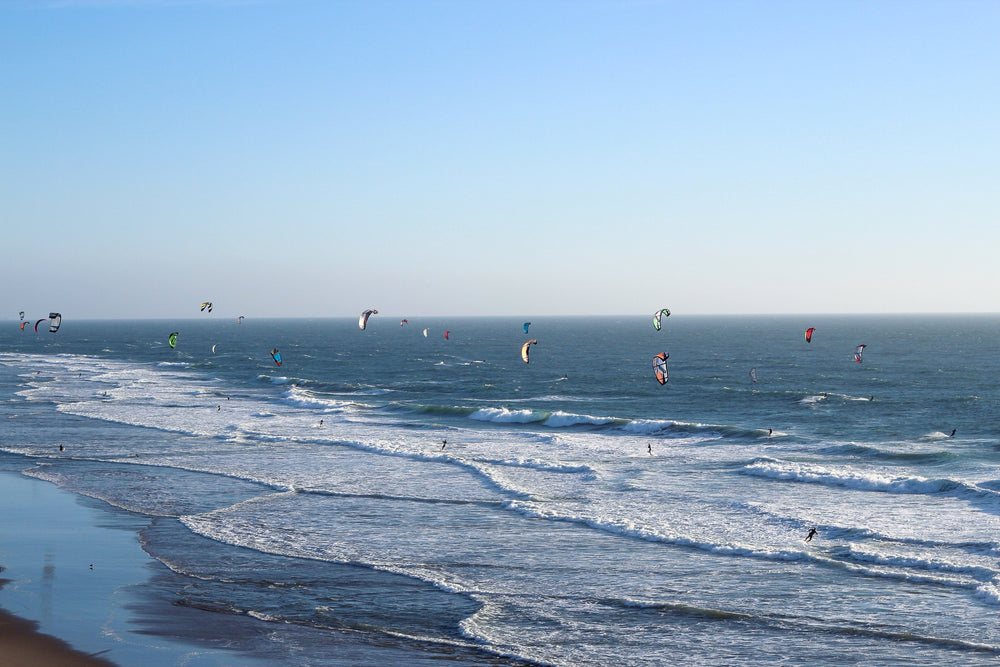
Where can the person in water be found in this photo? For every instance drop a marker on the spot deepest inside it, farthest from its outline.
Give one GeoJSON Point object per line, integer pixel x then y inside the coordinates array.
{"type": "Point", "coordinates": [812, 531]}
{"type": "Point", "coordinates": [953, 432]}
{"type": "Point", "coordinates": [649, 446]}
{"type": "Point", "coordinates": [444, 443]}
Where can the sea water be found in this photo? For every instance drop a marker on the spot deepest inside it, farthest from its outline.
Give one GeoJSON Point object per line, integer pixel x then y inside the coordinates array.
{"type": "Point", "coordinates": [390, 497]}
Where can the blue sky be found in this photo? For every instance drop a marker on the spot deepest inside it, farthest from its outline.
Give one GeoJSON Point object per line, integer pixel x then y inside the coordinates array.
{"type": "Point", "coordinates": [315, 158]}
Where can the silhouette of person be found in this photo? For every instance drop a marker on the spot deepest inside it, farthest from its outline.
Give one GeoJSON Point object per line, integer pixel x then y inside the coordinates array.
{"type": "Point", "coordinates": [953, 432]}
{"type": "Point", "coordinates": [812, 531]}
{"type": "Point", "coordinates": [443, 443]}
{"type": "Point", "coordinates": [649, 446]}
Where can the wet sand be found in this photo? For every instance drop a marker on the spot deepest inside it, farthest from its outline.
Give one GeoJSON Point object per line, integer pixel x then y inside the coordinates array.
{"type": "Point", "coordinates": [22, 645]}
{"type": "Point", "coordinates": [77, 589]}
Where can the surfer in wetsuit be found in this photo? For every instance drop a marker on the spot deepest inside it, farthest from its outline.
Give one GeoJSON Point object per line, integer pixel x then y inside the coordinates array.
{"type": "Point", "coordinates": [812, 531]}
{"type": "Point", "coordinates": [953, 432]}
{"type": "Point", "coordinates": [444, 443]}
{"type": "Point", "coordinates": [649, 446]}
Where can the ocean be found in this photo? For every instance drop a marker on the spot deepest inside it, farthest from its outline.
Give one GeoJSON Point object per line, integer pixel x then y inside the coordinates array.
{"type": "Point", "coordinates": [390, 497]}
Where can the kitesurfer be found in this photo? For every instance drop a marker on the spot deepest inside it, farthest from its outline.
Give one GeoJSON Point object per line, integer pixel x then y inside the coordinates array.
{"type": "Point", "coordinates": [443, 444]}
{"type": "Point", "coordinates": [952, 432]}
{"type": "Point", "coordinates": [812, 531]}
{"type": "Point", "coordinates": [320, 422]}
{"type": "Point", "coordinates": [649, 446]}
{"type": "Point", "coordinates": [61, 448]}
{"type": "Point", "coordinates": [769, 432]}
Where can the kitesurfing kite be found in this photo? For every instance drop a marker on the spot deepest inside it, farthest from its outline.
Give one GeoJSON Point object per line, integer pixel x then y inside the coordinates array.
{"type": "Point", "coordinates": [404, 321]}
{"type": "Point", "coordinates": [363, 320]}
{"type": "Point", "coordinates": [22, 314]}
{"type": "Point", "coordinates": [446, 334]}
{"type": "Point", "coordinates": [240, 319]}
{"type": "Point", "coordinates": [172, 339]}
{"type": "Point", "coordinates": [526, 325]}
{"type": "Point", "coordinates": [425, 333]}
{"type": "Point", "coordinates": [39, 322]}
{"type": "Point", "coordinates": [23, 325]}
{"type": "Point", "coordinates": [206, 304]}
{"type": "Point", "coordinates": [809, 334]}
{"type": "Point", "coordinates": [753, 374]}
{"type": "Point", "coordinates": [656, 317]}
{"type": "Point", "coordinates": [276, 356]}
{"type": "Point", "coordinates": [55, 321]}
{"type": "Point", "coordinates": [213, 347]}
{"type": "Point", "coordinates": [524, 349]}
{"type": "Point", "coordinates": [660, 367]}
{"type": "Point", "coordinates": [858, 351]}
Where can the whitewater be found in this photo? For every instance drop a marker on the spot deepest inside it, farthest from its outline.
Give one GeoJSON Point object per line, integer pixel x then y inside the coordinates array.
{"type": "Point", "coordinates": [386, 497]}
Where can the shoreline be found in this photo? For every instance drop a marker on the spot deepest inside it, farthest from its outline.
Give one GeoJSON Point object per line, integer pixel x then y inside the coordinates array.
{"type": "Point", "coordinates": [66, 562]}
{"type": "Point", "coordinates": [76, 583]}
{"type": "Point", "coordinates": [22, 644]}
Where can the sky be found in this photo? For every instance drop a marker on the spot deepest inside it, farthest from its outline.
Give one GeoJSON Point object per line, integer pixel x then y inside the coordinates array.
{"type": "Point", "coordinates": [314, 158]}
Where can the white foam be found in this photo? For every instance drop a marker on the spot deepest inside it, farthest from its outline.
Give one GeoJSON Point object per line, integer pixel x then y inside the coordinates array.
{"type": "Point", "coordinates": [864, 480]}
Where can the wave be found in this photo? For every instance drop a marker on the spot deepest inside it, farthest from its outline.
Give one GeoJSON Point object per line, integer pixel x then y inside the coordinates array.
{"type": "Point", "coordinates": [862, 481]}
{"type": "Point", "coordinates": [558, 419]}
{"type": "Point", "coordinates": [551, 419]}
{"type": "Point", "coordinates": [869, 451]}
{"type": "Point", "coordinates": [899, 567]}
{"type": "Point", "coordinates": [322, 387]}
{"type": "Point", "coordinates": [401, 498]}
{"type": "Point", "coordinates": [277, 379]}
{"type": "Point", "coordinates": [658, 427]}
{"type": "Point", "coordinates": [858, 554]}
{"type": "Point", "coordinates": [308, 398]}
{"type": "Point", "coordinates": [508, 416]}
{"type": "Point", "coordinates": [814, 399]}
{"type": "Point", "coordinates": [787, 622]}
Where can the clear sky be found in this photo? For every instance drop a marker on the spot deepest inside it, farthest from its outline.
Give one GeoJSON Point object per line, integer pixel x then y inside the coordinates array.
{"type": "Point", "coordinates": [477, 157]}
